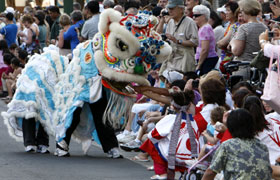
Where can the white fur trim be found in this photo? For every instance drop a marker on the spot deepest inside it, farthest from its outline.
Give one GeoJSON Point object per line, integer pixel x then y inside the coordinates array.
{"type": "Point", "coordinates": [13, 131]}
{"type": "Point", "coordinates": [106, 18]}
{"type": "Point", "coordinates": [120, 32]}
{"type": "Point", "coordinates": [23, 109]}
{"type": "Point", "coordinates": [74, 70]}
{"type": "Point", "coordinates": [165, 52]}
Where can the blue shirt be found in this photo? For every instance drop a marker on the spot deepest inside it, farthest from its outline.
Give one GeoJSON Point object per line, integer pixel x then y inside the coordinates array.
{"type": "Point", "coordinates": [10, 33]}
{"type": "Point", "coordinates": [210, 129]}
{"type": "Point", "coordinates": [72, 35]}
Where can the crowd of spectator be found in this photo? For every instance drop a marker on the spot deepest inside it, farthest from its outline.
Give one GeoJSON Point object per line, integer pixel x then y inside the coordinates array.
{"type": "Point", "coordinates": [202, 38]}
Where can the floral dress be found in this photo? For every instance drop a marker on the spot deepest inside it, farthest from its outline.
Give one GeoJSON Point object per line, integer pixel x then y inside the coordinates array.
{"type": "Point", "coordinates": [226, 56]}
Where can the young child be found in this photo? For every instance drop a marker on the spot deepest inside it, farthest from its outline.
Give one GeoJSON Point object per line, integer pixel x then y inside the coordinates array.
{"type": "Point", "coordinates": [14, 49]}
{"type": "Point", "coordinates": [11, 78]}
{"type": "Point", "coordinates": [216, 116]}
{"type": "Point", "coordinates": [23, 57]}
{"type": "Point", "coordinates": [210, 135]}
{"type": "Point", "coordinates": [7, 57]}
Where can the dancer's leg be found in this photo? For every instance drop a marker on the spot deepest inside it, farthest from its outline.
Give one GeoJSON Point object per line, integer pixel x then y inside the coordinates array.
{"type": "Point", "coordinates": [75, 122]}
{"type": "Point", "coordinates": [29, 130]}
{"type": "Point", "coordinates": [42, 136]}
{"type": "Point", "coordinates": [105, 132]}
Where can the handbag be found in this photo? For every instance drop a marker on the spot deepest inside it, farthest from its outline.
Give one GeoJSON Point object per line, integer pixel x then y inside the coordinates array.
{"type": "Point", "coordinates": [260, 61]}
{"type": "Point", "coordinates": [271, 89]}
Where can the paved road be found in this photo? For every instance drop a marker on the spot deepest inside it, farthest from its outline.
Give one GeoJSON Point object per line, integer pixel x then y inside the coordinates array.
{"type": "Point", "coordinates": [15, 164]}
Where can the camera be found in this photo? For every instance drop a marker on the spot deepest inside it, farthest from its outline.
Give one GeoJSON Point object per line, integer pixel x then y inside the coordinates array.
{"type": "Point", "coordinates": [195, 84]}
{"type": "Point", "coordinates": [163, 37]}
{"type": "Point", "coordinates": [267, 17]}
{"type": "Point", "coordinates": [170, 111]}
{"type": "Point", "coordinates": [271, 34]}
{"type": "Point", "coordinates": [165, 13]}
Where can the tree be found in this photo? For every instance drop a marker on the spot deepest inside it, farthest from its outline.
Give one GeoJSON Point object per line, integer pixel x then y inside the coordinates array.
{"type": "Point", "coordinates": [11, 3]}
{"type": "Point", "coordinates": [39, 2]}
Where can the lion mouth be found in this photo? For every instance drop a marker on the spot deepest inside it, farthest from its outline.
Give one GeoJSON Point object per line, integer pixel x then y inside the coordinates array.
{"type": "Point", "coordinates": [117, 80]}
{"type": "Point", "coordinates": [122, 88]}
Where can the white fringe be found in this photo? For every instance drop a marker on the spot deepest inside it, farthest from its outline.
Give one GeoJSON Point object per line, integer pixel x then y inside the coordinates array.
{"type": "Point", "coordinates": [119, 106]}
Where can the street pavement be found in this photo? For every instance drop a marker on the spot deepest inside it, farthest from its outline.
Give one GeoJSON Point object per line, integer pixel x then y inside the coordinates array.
{"type": "Point", "coordinates": [15, 164]}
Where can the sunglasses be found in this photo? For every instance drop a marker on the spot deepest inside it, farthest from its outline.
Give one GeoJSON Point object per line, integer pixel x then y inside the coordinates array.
{"type": "Point", "coordinates": [197, 15]}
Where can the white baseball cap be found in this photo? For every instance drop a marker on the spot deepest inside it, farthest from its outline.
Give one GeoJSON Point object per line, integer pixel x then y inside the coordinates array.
{"type": "Point", "coordinates": [172, 76]}
{"type": "Point", "coordinates": [222, 9]}
{"type": "Point", "coordinates": [9, 10]}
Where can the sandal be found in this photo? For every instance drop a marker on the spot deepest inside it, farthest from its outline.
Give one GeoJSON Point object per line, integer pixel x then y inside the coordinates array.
{"type": "Point", "coordinates": [5, 98]}
{"type": "Point", "coordinates": [158, 177]}
{"type": "Point", "coordinates": [137, 158]}
{"type": "Point", "coordinates": [8, 100]}
{"type": "Point", "coordinates": [150, 168]}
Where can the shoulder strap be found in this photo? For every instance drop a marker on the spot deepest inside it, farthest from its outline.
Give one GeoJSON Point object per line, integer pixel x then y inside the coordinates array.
{"type": "Point", "coordinates": [177, 27]}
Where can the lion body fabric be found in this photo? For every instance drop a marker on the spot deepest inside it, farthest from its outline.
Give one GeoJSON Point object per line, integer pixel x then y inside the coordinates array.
{"type": "Point", "coordinates": [50, 89]}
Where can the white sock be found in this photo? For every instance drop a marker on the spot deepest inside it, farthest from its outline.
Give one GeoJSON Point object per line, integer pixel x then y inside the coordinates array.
{"type": "Point", "coordinates": [137, 140]}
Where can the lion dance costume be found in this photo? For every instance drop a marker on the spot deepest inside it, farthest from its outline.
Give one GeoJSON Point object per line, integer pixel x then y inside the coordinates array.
{"type": "Point", "coordinates": [86, 98]}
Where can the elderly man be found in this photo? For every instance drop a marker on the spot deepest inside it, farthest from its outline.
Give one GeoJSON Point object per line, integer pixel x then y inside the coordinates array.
{"type": "Point", "coordinates": [108, 4]}
{"type": "Point", "coordinates": [182, 33]}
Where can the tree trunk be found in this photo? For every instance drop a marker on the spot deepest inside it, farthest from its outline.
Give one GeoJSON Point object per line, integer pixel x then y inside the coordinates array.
{"type": "Point", "coordinates": [39, 2]}
{"type": "Point", "coordinates": [11, 3]}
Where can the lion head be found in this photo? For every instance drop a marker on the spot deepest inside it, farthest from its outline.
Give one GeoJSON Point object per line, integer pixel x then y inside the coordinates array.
{"type": "Point", "coordinates": [126, 48]}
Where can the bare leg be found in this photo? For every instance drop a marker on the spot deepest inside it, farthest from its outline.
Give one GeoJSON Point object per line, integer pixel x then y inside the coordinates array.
{"type": "Point", "coordinates": [141, 156]}
{"type": "Point", "coordinates": [276, 172]}
{"type": "Point", "coordinates": [129, 122]}
{"type": "Point", "coordinates": [9, 87]}
{"type": "Point", "coordinates": [141, 133]}
{"type": "Point", "coordinates": [202, 152]}
{"type": "Point", "coordinates": [4, 86]}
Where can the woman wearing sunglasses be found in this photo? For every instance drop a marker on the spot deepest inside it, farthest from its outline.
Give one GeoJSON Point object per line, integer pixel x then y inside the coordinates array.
{"type": "Point", "coordinates": [206, 54]}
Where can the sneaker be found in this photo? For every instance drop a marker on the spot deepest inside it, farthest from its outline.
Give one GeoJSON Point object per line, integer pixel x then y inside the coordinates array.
{"type": "Point", "coordinates": [30, 148]}
{"type": "Point", "coordinates": [61, 153]}
{"type": "Point", "coordinates": [62, 149]}
{"type": "Point", "coordinates": [127, 138]}
{"type": "Point", "coordinates": [132, 145]}
{"type": "Point", "coordinates": [120, 136]}
{"type": "Point", "coordinates": [43, 149]}
{"type": "Point", "coordinates": [114, 153]}
{"type": "Point", "coordinates": [123, 134]}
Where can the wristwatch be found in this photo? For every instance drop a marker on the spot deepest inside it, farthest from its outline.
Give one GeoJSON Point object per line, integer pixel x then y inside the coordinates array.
{"type": "Point", "coordinates": [263, 41]}
{"type": "Point", "coordinates": [179, 41]}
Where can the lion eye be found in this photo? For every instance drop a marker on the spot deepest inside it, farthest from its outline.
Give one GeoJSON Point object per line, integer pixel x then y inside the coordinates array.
{"type": "Point", "coordinates": [153, 50]}
{"type": "Point", "coordinates": [121, 45]}
{"type": "Point", "coordinates": [130, 63]}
